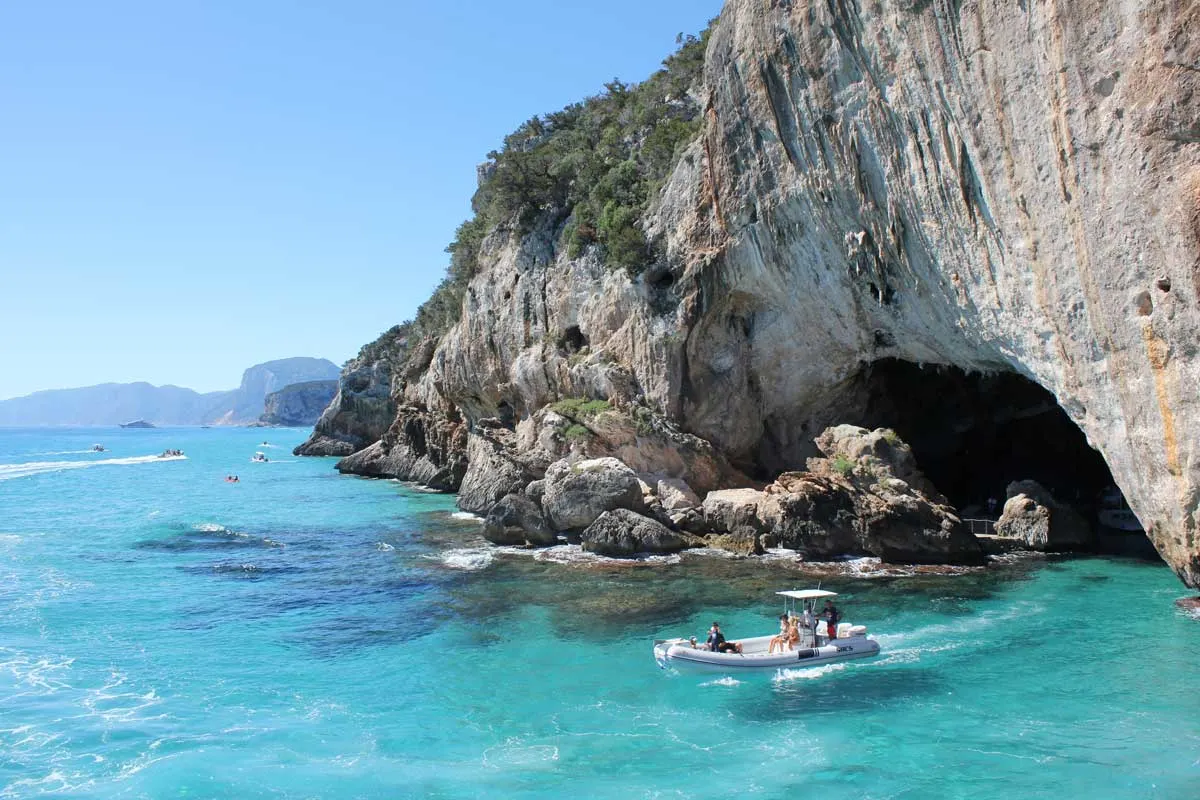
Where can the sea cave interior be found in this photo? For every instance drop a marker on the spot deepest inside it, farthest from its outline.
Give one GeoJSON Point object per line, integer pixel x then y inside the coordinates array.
{"type": "Point", "coordinates": [973, 433]}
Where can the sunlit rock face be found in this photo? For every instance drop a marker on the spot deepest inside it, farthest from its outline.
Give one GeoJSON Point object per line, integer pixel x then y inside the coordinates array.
{"type": "Point", "coordinates": [991, 186]}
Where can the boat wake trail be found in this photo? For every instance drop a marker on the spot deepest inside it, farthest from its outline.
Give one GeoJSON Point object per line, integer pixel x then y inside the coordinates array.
{"type": "Point", "coordinates": [806, 674]}
{"type": "Point", "coordinates": [11, 471]}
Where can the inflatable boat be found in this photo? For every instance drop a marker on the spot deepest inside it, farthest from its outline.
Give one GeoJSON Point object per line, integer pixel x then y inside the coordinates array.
{"type": "Point", "coordinates": [817, 645]}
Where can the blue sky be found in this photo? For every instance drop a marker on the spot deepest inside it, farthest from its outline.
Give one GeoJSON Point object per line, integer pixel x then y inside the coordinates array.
{"type": "Point", "coordinates": [189, 188]}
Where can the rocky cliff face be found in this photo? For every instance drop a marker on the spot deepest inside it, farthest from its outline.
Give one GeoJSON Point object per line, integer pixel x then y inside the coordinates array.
{"type": "Point", "coordinates": [991, 187]}
{"type": "Point", "coordinates": [298, 404]}
{"type": "Point", "coordinates": [362, 408]}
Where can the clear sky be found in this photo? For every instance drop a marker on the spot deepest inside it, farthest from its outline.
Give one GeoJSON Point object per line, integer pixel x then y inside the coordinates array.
{"type": "Point", "coordinates": [191, 187]}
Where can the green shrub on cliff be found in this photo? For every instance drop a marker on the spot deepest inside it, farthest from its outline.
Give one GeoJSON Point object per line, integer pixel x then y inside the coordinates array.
{"type": "Point", "coordinates": [594, 165]}
{"type": "Point", "coordinates": [842, 465]}
{"type": "Point", "coordinates": [578, 408]}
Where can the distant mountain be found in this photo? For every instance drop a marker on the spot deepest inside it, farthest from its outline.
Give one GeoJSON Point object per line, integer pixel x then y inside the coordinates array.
{"type": "Point", "coordinates": [115, 403]}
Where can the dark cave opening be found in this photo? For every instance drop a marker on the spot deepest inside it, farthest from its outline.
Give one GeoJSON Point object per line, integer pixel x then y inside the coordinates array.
{"type": "Point", "coordinates": [572, 340]}
{"type": "Point", "coordinates": [973, 434]}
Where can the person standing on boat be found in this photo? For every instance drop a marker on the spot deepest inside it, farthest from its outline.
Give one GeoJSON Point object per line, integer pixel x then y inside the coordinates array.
{"type": "Point", "coordinates": [831, 619]}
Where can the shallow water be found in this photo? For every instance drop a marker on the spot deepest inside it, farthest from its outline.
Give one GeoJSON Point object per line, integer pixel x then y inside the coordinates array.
{"type": "Point", "coordinates": [306, 634]}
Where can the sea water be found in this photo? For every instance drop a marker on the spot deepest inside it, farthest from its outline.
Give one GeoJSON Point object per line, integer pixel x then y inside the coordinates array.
{"type": "Point", "coordinates": [165, 633]}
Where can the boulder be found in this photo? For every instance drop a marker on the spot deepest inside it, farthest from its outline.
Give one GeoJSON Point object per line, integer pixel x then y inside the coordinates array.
{"type": "Point", "coordinates": [676, 495]}
{"type": "Point", "coordinates": [854, 504]}
{"type": "Point", "coordinates": [727, 509]}
{"type": "Point", "coordinates": [742, 540]}
{"type": "Point", "coordinates": [1032, 516]}
{"type": "Point", "coordinates": [516, 519]}
{"type": "Point", "coordinates": [621, 533]}
{"type": "Point", "coordinates": [577, 493]}
{"type": "Point", "coordinates": [493, 470]}
{"type": "Point", "coordinates": [535, 489]}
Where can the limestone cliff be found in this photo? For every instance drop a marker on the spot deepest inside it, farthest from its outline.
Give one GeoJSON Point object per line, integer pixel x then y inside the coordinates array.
{"type": "Point", "coordinates": [362, 408]}
{"type": "Point", "coordinates": [298, 404]}
{"type": "Point", "coordinates": [997, 188]}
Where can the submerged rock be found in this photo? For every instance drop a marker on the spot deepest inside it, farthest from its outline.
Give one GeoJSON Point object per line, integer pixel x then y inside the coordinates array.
{"type": "Point", "coordinates": [1033, 517]}
{"type": "Point", "coordinates": [622, 533]}
{"type": "Point", "coordinates": [576, 494]}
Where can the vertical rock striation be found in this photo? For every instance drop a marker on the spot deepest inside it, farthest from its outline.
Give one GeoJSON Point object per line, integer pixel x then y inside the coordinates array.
{"type": "Point", "coordinates": [994, 187]}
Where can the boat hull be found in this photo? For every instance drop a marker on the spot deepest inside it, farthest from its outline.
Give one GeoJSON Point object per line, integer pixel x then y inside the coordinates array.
{"type": "Point", "coordinates": [679, 654]}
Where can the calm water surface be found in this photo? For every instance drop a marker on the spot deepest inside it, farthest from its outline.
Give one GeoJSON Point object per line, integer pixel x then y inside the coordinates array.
{"type": "Point", "coordinates": [304, 634]}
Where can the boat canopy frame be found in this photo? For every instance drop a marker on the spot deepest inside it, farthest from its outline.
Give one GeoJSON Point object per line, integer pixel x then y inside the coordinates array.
{"type": "Point", "coordinates": [807, 594]}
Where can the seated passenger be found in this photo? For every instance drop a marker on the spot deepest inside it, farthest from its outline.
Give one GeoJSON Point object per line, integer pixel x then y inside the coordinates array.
{"type": "Point", "coordinates": [793, 633]}
{"type": "Point", "coordinates": [717, 643]}
{"type": "Point", "coordinates": [781, 639]}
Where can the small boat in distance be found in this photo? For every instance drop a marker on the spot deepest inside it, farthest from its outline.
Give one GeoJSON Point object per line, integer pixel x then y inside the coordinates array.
{"type": "Point", "coordinates": [1115, 513]}
{"type": "Point", "coordinates": [260, 458]}
{"type": "Point", "coordinates": [171, 454]}
{"type": "Point", "coordinates": [137, 423]}
{"type": "Point", "coordinates": [817, 644]}
{"type": "Point", "coordinates": [98, 448]}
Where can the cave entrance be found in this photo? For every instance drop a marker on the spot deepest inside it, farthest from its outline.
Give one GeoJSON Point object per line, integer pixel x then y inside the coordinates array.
{"type": "Point", "coordinates": [973, 434]}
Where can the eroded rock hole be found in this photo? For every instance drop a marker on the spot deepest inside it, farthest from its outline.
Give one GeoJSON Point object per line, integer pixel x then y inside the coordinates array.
{"type": "Point", "coordinates": [573, 340]}
{"type": "Point", "coordinates": [973, 434]}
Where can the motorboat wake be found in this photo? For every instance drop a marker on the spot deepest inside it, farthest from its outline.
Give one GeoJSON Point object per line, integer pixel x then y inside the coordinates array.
{"type": "Point", "coordinates": [816, 645]}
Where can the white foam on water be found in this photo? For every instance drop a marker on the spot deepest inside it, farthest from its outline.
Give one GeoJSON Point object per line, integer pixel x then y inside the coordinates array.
{"type": "Point", "coordinates": [575, 554]}
{"type": "Point", "coordinates": [469, 558]}
{"type": "Point", "coordinates": [513, 753]}
{"type": "Point", "coordinates": [780, 554]}
{"type": "Point", "coordinates": [726, 681]}
{"type": "Point", "coordinates": [28, 468]}
{"type": "Point", "coordinates": [712, 552]}
{"type": "Point", "coordinates": [806, 674]}
{"type": "Point", "coordinates": [384, 546]}
{"type": "Point", "coordinates": [467, 515]}
{"type": "Point", "coordinates": [210, 527]}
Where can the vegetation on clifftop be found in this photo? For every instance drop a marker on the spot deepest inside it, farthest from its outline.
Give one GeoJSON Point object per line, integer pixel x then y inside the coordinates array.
{"type": "Point", "coordinates": [594, 166]}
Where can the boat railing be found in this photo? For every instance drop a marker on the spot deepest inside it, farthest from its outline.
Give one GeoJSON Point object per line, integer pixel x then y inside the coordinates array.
{"type": "Point", "coordinates": [981, 527]}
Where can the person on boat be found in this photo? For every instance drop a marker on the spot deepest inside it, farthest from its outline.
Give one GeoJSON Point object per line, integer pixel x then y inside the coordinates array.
{"type": "Point", "coordinates": [809, 622]}
{"type": "Point", "coordinates": [781, 639]}
{"type": "Point", "coordinates": [717, 643]}
{"type": "Point", "coordinates": [831, 618]}
{"type": "Point", "coordinates": [793, 633]}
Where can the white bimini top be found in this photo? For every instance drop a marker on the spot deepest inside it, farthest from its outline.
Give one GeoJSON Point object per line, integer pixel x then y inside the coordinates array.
{"type": "Point", "coordinates": [807, 594]}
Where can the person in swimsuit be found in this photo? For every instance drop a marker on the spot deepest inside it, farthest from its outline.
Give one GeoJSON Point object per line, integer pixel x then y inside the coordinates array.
{"type": "Point", "coordinates": [793, 633]}
{"type": "Point", "coordinates": [781, 639]}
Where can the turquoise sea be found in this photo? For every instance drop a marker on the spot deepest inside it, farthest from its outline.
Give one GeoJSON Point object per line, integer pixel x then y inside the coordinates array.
{"type": "Point", "coordinates": [304, 634]}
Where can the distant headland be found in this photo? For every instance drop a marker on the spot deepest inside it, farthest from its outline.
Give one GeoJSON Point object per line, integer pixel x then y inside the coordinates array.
{"type": "Point", "coordinates": [144, 405]}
